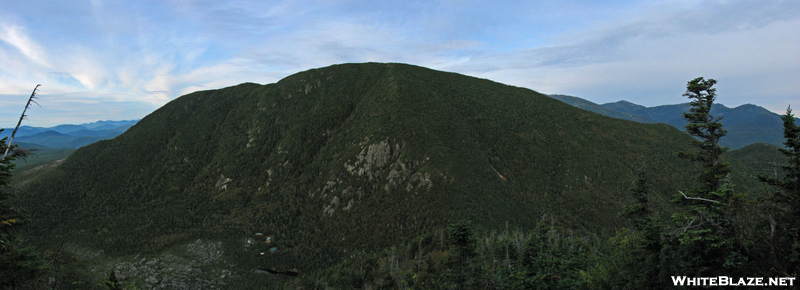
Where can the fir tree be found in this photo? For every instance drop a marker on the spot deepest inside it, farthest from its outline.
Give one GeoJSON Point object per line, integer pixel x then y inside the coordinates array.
{"type": "Point", "coordinates": [786, 235]}
{"type": "Point", "coordinates": [707, 130]}
{"type": "Point", "coordinates": [19, 265]}
{"type": "Point", "coordinates": [113, 282]}
{"type": "Point", "coordinates": [703, 243]}
{"type": "Point", "coordinates": [649, 228]}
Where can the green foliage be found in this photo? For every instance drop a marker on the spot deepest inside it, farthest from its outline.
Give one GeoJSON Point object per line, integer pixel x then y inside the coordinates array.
{"type": "Point", "coordinates": [786, 241]}
{"type": "Point", "coordinates": [461, 234]}
{"type": "Point", "coordinates": [359, 158]}
{"type": "Point", "coordinates": [19, 264]}
{"type": "Point", "coordinates": [715, 232]}
{"type": "Point", "coordinates": [544, 258]}
{"type": "Point", "coordinates": [639, 212]}
{"type": "Point", "coordinates": [275, 159]}
{"type": "Point", "coordinates": [631, 259]}
{"type": "Point", "coordinates": [708, 131]}
{"type": "Point", "coordinates": [112, 283]}
{"type": "Point", "coordinates": [42, 156]}
{"type": "Point", "coordinates": [637, 254]}
{"type": "Point", "coordinates": [553, 261]}
{"type": "Point", "coordinates": [789, 183]}
{"type": "Point", "coordinates": [704, 243]}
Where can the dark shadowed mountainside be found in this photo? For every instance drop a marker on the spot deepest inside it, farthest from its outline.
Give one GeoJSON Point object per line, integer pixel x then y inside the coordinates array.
{"type": "Point", "coordinates": [347, 158]}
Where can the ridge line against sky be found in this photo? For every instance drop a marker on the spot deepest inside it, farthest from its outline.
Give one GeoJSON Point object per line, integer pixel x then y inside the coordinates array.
{"type": "Point", "coordinates": [102, 60]}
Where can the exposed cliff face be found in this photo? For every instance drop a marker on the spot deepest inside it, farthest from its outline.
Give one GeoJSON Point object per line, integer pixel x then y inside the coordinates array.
{"type": "Point", "coordinates": [378, 164]}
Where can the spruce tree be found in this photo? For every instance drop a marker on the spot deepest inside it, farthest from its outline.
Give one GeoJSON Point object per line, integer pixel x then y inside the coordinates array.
{"type": "Point", "coordinates": [648, 228]}
{"type": "Point", "coordinates": [707, 130]}
{"type": "Point", "coordinates": [786, 235]}
{"type": "Point", "coordinates": [19, 265]}
{"type": "Point", "coordinates": [703, 243]}
{"type": "Point", "coordinates": [113, 282]}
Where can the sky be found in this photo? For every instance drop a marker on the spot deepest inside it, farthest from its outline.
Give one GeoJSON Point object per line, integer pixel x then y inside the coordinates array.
{"type": "Point", "coordinates": [121, 60]}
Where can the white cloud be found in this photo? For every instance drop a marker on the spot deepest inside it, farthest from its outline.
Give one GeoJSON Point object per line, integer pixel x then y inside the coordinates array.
{"type": "Point", "coordinates": [16, 37]}
{"type": "Point", "coordinates": [85, 69]}
{"type": "Point", "coordinates": [749, 47]}
{"type": "Point", "coordinates": [148, 53]}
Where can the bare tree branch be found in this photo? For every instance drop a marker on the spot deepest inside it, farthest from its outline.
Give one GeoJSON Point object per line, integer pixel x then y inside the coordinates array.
{"type": "Point", "coordinates": [697, 198]}
{"type": "Point", "coordinates": [28, 105]}
{"type": "Point", "coordinates": [689, 225]}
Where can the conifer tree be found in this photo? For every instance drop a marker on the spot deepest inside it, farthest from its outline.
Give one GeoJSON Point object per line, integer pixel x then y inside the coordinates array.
{"type": "Point", "coordinates": [639, 212]}
{"type": "Point", "coordinates": [649, 229]}
{"type": "Point", "coordinates": [704, 243]}
{"type": "Point", "coordinates": [633, 259]}
{"type": "Point", "coordinates": [786, 235]}
{"type": "Point", "coordinates": [464, 239]}
{"type": "Point", "coordinates": [707, 130]}
{"type": "Point", "coordinates": [113, 282]}
{"type": "Point", "coordinates": [18, 264]}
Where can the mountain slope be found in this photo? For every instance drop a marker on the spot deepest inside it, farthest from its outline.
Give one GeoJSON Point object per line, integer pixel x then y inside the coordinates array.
{"type": "Point", "coordinates": [42, 154]}
{"type": "Point", "coordinates": [347, 158]}
{"type": "Point", "coordinates": [603, 110]}
{"type": "Point", "coordinates": [756, 159]}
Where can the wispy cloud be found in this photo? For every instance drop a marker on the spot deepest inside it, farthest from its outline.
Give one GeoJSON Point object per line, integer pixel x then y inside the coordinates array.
{"type": "Point", "coordinates": [16, 37]}
{"type": "Point", "coordinates": [146, 53]}
{"type": "Point", "coordinates": [649, 58]}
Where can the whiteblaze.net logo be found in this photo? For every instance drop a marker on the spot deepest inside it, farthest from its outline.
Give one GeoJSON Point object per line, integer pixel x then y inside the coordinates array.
{"type": "Point", "coordinates": [730, 281]}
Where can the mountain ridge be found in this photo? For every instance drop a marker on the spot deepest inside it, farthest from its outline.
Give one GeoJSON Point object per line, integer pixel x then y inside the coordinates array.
{"type": "Point", "coordinates": [344, 159]}
{"type": "Point", "coordinates": [68, 135]}
{"type": "Point", "coordinates": [746, 124]}
{"type": "Point", "coordinates": [26, 130]}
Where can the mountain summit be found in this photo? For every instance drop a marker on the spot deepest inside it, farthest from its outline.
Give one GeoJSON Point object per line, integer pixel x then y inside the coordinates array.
{"type": "Point", "coordinates": [347, 158]}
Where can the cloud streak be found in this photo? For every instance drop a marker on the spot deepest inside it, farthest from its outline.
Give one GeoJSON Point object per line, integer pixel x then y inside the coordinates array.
{"type": "Point", "coordinates": [143, 54]}
{"type": "Point", "coordinates": [16, 37]}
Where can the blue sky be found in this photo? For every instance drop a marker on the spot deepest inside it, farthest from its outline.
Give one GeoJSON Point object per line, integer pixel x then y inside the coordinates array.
{"type": "Point", "coordinates": [116, 60]}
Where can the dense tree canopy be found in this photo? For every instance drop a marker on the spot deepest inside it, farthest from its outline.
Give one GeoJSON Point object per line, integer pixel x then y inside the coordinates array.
{"type": "Point", "coordinates": [18, 264]}
{"type": "Point", "coordinates": [785, 240]}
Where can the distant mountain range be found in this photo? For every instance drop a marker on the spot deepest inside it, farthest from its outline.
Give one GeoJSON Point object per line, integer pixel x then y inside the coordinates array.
{"type": "Point", "coordinates": [746, 124]}
{"type": "Point", "coordinates": [68, 136]}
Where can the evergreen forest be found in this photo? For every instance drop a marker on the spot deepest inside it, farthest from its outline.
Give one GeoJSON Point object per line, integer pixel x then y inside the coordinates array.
{"type": "Point", "coordinates": [394, 176]}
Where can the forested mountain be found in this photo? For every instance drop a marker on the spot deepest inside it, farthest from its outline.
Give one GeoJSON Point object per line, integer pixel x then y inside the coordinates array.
{"type": "Point", "coordinates": [348, 159]}
{"type": "Point", "coordinates": [746, 124]}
